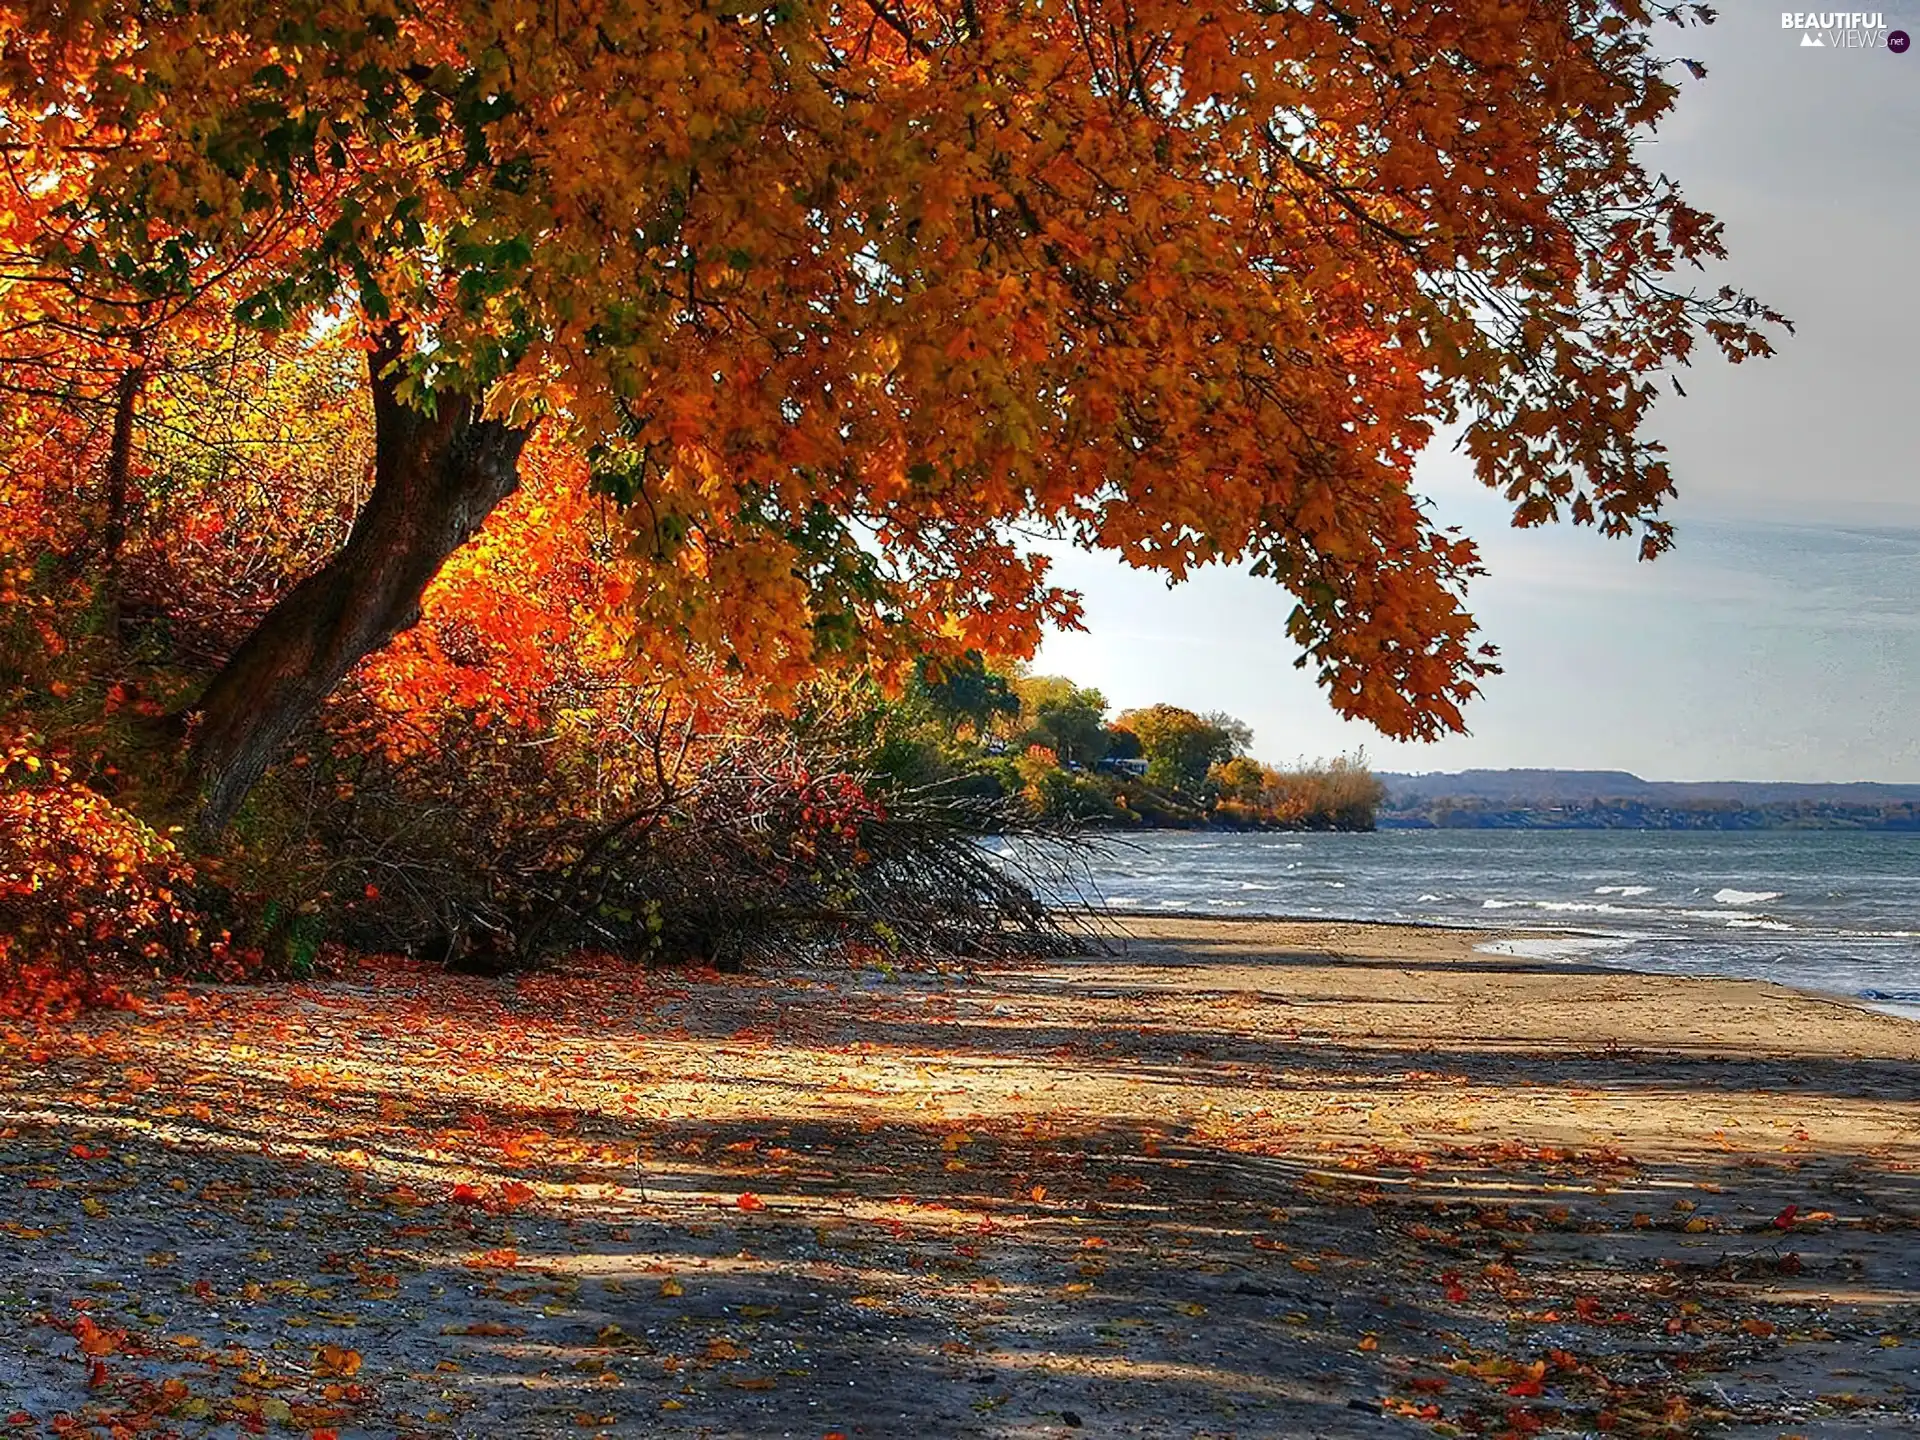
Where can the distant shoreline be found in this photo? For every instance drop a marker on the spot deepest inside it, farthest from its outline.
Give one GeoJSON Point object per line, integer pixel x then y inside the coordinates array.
{"type": "Point", "coordinates": [1620, 800]}
{"type": "Point", "coordinates": [1680, 822]}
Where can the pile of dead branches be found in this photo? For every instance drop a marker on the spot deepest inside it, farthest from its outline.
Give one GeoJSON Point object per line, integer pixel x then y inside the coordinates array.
{"type": "Point", "coordinates": [715, 843]}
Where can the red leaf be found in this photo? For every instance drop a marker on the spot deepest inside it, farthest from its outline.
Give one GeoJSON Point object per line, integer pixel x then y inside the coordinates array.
{"type": "Point", "coordinates": [514, 1194]}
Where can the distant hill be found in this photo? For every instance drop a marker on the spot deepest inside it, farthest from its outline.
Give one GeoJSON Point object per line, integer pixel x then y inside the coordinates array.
{"type": "Point", "coordinates": [1616, 799]}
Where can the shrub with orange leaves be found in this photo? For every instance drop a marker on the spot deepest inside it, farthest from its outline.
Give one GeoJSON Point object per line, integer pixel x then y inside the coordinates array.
{"type": "Point", "coordinates": [88, 891]}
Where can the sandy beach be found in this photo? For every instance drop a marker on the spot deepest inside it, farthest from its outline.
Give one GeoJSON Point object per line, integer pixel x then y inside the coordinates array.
{"type": "Point", "coordinates": [1234, 1179]}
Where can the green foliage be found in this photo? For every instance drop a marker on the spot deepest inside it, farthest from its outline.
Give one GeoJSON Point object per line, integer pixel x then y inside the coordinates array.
{"type": "Point", "coordinates": [1181, 747]}
{"type": "Point", "coordinates": [983, 733]}
{"type": "Point", "coordinates": [1064, 718]}
{"type": "Point", "coordinates": [964, 692]}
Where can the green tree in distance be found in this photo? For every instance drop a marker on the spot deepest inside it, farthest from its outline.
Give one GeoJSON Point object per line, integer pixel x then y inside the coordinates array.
{"type": "Point", "coordinates": [1180, 746]}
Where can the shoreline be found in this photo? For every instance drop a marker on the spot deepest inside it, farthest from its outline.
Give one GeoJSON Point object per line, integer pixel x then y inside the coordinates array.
{"type": "Point", "coordinates": [1588, 955]}
{"type": "Point", "coordinates": [1764, 1011]}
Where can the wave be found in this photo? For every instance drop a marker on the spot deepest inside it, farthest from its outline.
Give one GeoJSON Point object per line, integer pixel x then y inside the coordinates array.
{"type": "Point", "coordinates": [1904, 1003]}
{"type": "Point", "coordinates": [1557, 947]}
{"type": "Point", "coordinates": [1565, 907]}
{"type": "Point", "coordinates": [1850, 922]}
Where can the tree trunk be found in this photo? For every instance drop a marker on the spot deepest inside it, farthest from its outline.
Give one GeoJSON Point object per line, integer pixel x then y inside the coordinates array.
{"type": "Point", "coordinates": [126, 401]}
{"type": "Point", "coordinates": [436, 478]}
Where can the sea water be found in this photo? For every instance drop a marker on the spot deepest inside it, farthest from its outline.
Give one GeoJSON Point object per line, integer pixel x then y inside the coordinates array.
{"type": "Point", "coordinates": [1828, 910]}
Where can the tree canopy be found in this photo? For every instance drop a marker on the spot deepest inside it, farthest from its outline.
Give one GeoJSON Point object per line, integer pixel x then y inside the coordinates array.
{"type": "Point", "coordinates": [841, 301]}
{"type": "Point", "coordinates": [1068, 719]}
{"type": "Point", "coordinates": [1181, 747]}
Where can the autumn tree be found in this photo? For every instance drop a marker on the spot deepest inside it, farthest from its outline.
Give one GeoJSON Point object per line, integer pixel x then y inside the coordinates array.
{"type": "Point", "coordinates": [1337, 794]}
{"type": "Point", "coordinates": [1068, 719]}
{"type": "Point", "coordinates": [1181, 747]}
{"type": "Point", "coordinates": [837, 301]}
{"type": "Point", "coordinates": [102, 322]}
{"type": "Point", "coordinates": [1240, 779]}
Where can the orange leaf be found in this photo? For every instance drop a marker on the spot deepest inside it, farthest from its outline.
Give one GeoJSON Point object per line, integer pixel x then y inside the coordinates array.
{"type": "Point", "coordinates": [337, 1360]}
{"type": "Point", "coordinates": [514, 1194]}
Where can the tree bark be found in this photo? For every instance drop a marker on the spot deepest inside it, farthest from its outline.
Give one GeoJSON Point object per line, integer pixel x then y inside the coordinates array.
{"type": "Point", "coordinates": [436, 478]}
{"type": "Point", "coordinates": [126, 401]}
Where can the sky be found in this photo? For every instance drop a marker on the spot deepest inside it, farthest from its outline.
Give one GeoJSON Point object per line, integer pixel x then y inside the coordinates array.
{"type": "Point", "coordinates": [1781, 639]}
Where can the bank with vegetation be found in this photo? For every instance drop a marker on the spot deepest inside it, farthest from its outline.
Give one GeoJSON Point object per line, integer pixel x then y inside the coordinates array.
{"type": "Point", "coordinates": [1057, 749]}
